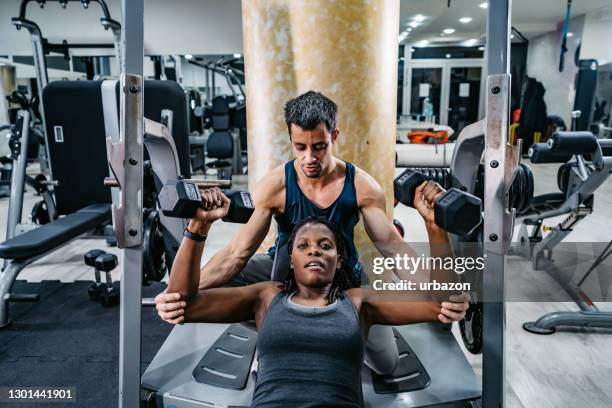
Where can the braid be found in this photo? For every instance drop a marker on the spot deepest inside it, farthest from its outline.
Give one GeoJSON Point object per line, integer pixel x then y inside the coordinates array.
{"type": "Point", "coordinates": [341, 280]}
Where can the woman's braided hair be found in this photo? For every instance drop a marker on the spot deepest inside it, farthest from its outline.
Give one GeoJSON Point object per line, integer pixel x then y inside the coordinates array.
{"type": "Point", "coordinates": [342, 279]}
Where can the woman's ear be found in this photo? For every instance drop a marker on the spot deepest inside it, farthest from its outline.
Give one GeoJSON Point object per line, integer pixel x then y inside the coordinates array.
{"type": "Point", "coordinates": [290, 262]}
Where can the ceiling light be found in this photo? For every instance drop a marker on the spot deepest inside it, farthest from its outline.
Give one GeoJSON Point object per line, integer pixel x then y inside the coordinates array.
{"type": "Point", "coordinates": [511, 36]}
{"type": "Point", "coordinates": [448, 55]}
{"type": "Point", "coordinates": [237, 55]}
{"type": "Point", "coordinates": [419, 17]}
{"type": "Point", "coordinates": [413, 24]}
{"type": "Point", "coordinates": [188, 56]}
{"type": "Point", "coordinates": [480, 48]}
{"type": "Point", "coordinates": [470, 42]}
{"type": "Point", "coordinates": [448, 30]}
{"type": "Point", "coordinates": [570, 34]}
{"type": "Point", "coordinates": [465, 20]}
{"type": "Point", "coordinates": [483, 5]}
{"type": "Point", "coordinates": [422, 43]}
{"type": "Point", "coordinates": [409, 29]}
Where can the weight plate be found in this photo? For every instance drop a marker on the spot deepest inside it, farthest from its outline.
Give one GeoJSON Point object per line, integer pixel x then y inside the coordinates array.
{"type": "Point", "coordinates": [471, 328]}
{"type": "Point", "coordinates": [153, 253]}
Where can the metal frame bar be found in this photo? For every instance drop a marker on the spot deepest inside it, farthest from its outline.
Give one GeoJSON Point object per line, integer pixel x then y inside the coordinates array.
{"type": "Point", "coordinates": [128, 220]}
{"type": "Point", "coordinates": [501, 161]}
{"type": "Point", "coordinates": [18, 174]}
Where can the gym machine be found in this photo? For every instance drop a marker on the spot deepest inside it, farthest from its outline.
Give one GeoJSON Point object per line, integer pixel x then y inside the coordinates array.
{"type": "Point", "coordinates": [175, 362]}
{"type": "Point", "coordinates": [578, 180]}
{"type": "Point", "coordinates": [41, 46]}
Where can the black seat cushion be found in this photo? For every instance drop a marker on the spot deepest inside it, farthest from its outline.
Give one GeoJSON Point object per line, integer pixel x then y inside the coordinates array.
{"type": "Point", "coordinates": [56, 233]}
{"type": "Point", "coordinates": [220, 145]}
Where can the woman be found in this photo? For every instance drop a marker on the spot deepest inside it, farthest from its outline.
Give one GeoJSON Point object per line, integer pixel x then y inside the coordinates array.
{"type": "Point", "coordinates": [312, 329]}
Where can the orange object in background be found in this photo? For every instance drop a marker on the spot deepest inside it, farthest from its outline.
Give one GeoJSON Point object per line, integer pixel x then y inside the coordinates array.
{"type": "Point", "coordinates": [424, 137]}
{"type": "Point", "coordinates": [516, 116]}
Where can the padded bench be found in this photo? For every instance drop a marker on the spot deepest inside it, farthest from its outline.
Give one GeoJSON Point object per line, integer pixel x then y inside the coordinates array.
{"type": "Point", "coordinates": [56, 233]}
{"type": "Point", "coordinates": [26, 248]}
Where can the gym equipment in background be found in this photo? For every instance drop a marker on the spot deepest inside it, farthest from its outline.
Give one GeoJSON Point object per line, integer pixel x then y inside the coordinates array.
{"type": "Point", "coordinates": [577, 181]}
{"type": "Point", "coordinates": [41, 47]}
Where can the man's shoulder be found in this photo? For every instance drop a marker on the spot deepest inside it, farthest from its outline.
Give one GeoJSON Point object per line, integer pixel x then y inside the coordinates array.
{"type": "Point", "coordinates": [364, 182]}
{"type": "Point", "coordinates": [270, 188]}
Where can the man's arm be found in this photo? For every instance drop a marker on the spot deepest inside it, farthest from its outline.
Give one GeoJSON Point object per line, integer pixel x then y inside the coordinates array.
{"type": "Point", "coordinates": [385, 236]}
{"type": "Point", "coordinates": [229, 261]}
{"type": "Point", "coordinates": [380, 229]}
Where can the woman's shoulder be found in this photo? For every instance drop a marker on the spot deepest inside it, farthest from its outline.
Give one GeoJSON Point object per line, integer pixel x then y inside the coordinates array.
{"type": "Point", "coordinates": [268, 291]}
{"type": "Point", "coordinates": [356, 295]}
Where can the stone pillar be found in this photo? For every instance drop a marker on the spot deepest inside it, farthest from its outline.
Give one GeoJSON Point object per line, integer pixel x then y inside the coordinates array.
{"type": "Point", "coordinates": [346, 49]}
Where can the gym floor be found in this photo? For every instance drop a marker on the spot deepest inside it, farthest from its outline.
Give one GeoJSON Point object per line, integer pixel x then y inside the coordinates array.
{"type": "Point", "coordinates": [542, 371]}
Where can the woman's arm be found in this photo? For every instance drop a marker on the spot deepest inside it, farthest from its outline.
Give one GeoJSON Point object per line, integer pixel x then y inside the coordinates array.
{"type": "Point", "coordinates": [227, 305]}
{"type": "Point", "coordinates": [374, 309]}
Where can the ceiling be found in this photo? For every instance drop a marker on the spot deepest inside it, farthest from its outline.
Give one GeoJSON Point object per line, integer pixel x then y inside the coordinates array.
{"type": "Point", "coordinates": [530, 17]}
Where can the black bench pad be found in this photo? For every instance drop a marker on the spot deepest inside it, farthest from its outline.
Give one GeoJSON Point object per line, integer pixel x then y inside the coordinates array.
{"type": "Point", "coordinates": [56, 233]}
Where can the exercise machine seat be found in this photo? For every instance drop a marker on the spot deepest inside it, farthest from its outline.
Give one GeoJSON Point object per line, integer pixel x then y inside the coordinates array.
{"type": "Point", "coordinates": [220, 145]}
{"type": "Point", "coordinates": [52, 235]}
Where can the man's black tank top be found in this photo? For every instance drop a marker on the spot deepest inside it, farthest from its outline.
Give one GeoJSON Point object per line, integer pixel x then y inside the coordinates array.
{"type": "Point", "coordinates": [343, 212]}
{"type": "Point", "coordinates": [309, 357]}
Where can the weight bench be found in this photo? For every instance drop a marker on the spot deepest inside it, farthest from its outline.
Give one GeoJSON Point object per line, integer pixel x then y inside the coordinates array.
{"type": "Point", "coordinates": [77, 142]}
{"type": "Point", "coordinates": [577, 181]}
{"type": "Point", "coordinates": [30, 246]}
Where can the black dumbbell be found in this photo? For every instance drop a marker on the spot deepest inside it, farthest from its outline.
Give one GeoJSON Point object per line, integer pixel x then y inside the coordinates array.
{"type": "Point", "coordinates": [96, 287]}
{"type": "Point", "coordinates": [110, 295]}
{"type": "Point", "coordinates": [181, 199]}
{"type": "Point", "coordinates": [455, 211]}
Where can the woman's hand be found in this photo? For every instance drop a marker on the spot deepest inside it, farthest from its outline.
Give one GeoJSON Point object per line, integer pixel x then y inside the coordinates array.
{"type": "Point", "coordinates": [214, 205]}
{"type": "Point", "coordinates": [425, 196]}
{"type": "Point", "coordinates": [454, 309]}
{"type": "Point", "coordinates": [170, 307]}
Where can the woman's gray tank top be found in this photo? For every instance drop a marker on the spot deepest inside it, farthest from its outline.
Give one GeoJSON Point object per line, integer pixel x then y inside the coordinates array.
{"type": "Point", "coordinates": [309, 357]}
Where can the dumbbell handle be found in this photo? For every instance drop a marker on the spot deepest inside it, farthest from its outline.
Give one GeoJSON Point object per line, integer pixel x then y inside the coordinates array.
{"type": "Point", "coordinates": [202, 184]}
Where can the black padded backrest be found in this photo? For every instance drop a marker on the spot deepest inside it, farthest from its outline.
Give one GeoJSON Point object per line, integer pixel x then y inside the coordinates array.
{"type": "Point", "coordinates": [160, 95]}
{"type": "Point", "coordinates": [220, 105]}
{"type": "Point", "coordinates": [220, 145]}
{"type": "Point", "coordinates": [77, 143]}
{"type": "Point", "coordinates": [220, 122]}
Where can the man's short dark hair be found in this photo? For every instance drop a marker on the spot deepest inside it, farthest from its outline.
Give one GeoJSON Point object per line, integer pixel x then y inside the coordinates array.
{"type": "Point", "coordinates": [310, 109]}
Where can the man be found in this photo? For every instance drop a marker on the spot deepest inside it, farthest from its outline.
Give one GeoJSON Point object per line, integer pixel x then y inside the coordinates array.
{"type": "Point", "coordinates": [316, 183]}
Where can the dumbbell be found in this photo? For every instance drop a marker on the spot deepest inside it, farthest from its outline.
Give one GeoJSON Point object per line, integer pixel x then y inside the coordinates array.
{"type": "Point", "coordinates": [96, 287]}
{"type": "Point", "coordinates": [181, 199]}
{"type": "Point", "coordinates": [109, 296]}
{"type": "Point", "coordinates": [455, 211]}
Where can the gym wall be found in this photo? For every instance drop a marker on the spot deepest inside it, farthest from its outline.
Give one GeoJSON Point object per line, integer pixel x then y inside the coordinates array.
{"type": "Point", "coordinates": [543, 65]}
